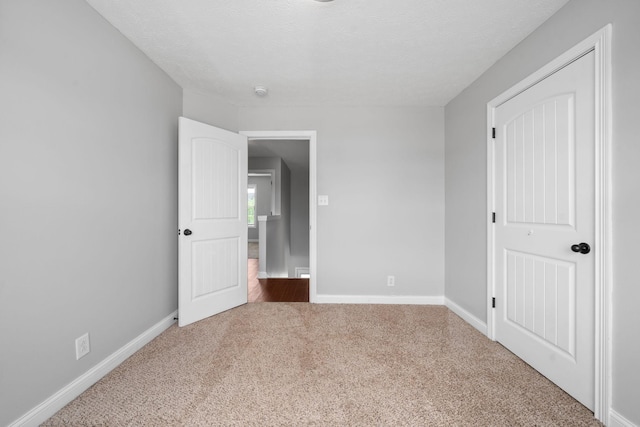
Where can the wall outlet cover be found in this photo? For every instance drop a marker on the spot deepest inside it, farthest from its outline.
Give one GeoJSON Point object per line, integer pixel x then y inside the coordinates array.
{"type": "Point", "coordinates": [82, 346]}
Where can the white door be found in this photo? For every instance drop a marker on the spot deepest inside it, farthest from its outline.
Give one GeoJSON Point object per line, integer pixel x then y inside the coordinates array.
{"type": "Point", "coordinates": [545, 206]}
{"type": "Point", "coordinates": [212, 218]}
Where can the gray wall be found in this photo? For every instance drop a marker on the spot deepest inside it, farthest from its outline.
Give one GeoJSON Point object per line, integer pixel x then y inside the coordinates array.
{"type": "Point", "coordinates": [88, 184]}
{"type": "Point", "coordinates": [263, 201]}
{"type": "Point", "coordinates": [210, 109]}
{"type": "Point", "coordinates": [299, 221]}
{"type": "Point", "coordinates": [383, 171]}
{"type": "Point", "coordinates": [466, 173]}
{"type": "Point", "coordinates": [278, 242]}
{"type": "Point", "coordinates": [279, 231]}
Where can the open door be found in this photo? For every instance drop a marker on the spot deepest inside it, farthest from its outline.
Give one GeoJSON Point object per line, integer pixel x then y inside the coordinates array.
{"type": "Point", "coordinates": [212, 218]}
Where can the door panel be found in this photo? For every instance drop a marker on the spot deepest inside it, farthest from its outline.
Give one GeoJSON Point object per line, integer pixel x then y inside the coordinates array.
{"type": "Point", "coordinates": [535, 302]}
{"type": "Point", "coordinates": [540, 163]}
{"type": "Point", "coordinates": [213, 207]}
{"type": "Point", "coordinates": [216, 262]}
{"type": "Point", "coordinates": [215, 179]}
{"type": "Point", "coordinates": [545, 203]}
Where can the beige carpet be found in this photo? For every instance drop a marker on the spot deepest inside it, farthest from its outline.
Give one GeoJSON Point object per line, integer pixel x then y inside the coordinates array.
{"type": "Point", "coordinates": [269, 364]}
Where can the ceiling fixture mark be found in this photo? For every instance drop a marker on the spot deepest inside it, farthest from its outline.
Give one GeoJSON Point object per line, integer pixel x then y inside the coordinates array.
{"type": "Point", "coordinates": [261, 91]}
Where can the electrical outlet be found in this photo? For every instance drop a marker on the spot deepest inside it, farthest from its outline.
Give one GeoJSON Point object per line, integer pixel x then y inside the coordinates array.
{"type": "Point", "coordinates": [82, 346]}
{"type": "Point", "coordinates": [391, 280]}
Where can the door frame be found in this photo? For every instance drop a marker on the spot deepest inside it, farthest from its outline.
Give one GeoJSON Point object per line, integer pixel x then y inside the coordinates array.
{"type": "Point", "coordinates": [311, 136]}
{"type": "Point", "coordinates": [600, 44]}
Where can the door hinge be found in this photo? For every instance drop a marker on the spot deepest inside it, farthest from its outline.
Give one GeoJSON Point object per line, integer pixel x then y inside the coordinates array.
{"type": "Point", "coordinates": [493, 217]}
{"type": "Point", "coordinates": [493, 133]}
{"type": "Point", "coordinates": [493, 302]}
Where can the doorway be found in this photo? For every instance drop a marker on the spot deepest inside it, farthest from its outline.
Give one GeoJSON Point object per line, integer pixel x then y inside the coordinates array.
{"type": "Point", "coordinates": [297, 150]}
{"type": "Point", "coordinates": [274, 229]}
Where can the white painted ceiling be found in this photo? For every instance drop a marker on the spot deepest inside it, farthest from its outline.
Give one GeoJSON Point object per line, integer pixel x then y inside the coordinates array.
{"type": "Point", "coordinates": [344, 52]}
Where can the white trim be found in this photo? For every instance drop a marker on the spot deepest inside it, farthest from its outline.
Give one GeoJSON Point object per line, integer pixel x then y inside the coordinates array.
{"type": "Point", "coordinates": [617, 420]}
{"type": "Point", "coordinates": [57, 401]}
{"type": "Point", "coordinates": [255, 206]}
{"type": "Point", "coordinates": [603, 221]}
{"type": "Point", "coordinates": [600, 43]}
{"type": "Point", "coordinates": [301, 270]}
{"type": "Point", "coordinates": [379, 299]}
{"type": "Point", "coordinates": [312, 137]}
{"type": "Point", "coordinates": [466, 316]}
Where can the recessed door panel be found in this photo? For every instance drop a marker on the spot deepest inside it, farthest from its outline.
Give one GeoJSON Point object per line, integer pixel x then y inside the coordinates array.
{"type": "Point", "coordinates": [215, 179]}
{"type": "Point", "coordinates": [216, 262]}
{"type": "Point", "coordinates": [539, 163]}
{"type": "Point", "coordinates": [541, 298]}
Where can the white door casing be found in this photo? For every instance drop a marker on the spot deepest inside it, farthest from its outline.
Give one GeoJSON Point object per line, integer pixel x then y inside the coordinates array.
{"type": "Point", "coordinates": [311, 136]}
{"type": "Point", "coordinates": [528, 256]}
{"type": "Point", "coordinates": [212, 218]}
{"type": "Point", "coordinates": [544, 174]}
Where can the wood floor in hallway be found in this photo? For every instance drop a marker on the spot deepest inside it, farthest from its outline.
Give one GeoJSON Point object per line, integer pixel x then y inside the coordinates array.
{"type": "Point", "coordinates": [275, 290]}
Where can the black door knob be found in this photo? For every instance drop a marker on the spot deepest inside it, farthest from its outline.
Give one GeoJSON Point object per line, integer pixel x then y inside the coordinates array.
{"type": "Point", "coordinates": [583, 248]}
{"type": "Point", "coordinates": [187, 232]}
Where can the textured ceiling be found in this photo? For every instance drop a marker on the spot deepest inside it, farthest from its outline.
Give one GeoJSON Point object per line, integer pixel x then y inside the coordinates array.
{"type": "Point", "coordinates": [345, 52]}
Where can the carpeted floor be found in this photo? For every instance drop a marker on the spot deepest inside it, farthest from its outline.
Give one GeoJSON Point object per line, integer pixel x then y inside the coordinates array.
{"type": "Point", "coordinates": [273, 364]}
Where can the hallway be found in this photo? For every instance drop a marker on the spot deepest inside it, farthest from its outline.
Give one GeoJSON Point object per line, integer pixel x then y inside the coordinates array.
{"type": "Point", "coordinates": [274, 290]}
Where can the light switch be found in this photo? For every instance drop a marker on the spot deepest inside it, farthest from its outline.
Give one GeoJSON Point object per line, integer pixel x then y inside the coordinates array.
{"type": "Point", "coordinates": [323, 200]}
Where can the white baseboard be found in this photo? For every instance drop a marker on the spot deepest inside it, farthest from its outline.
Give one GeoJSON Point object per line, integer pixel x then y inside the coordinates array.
{"type": "Point", "coordinates": [466, 316]}
{"type": "Point", "coordinates": [263, 275]}
{"type": "Point", "coordinates": [301, 270]}
{"type": "Point", "coordinates": [379, 299]}
{"type": "Point", "coordinates": [617, 420]}
{"type": "Point", "coordinates": [57, 401]}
